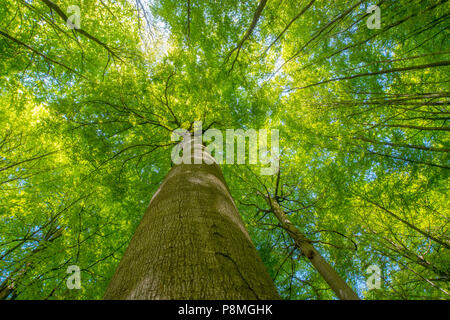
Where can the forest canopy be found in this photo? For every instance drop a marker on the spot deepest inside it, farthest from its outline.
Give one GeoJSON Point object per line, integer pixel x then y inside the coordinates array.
{"type": "Point", "coordinates": [91, 91]}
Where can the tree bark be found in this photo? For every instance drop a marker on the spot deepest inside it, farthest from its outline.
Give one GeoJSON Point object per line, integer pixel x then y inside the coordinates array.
{"type": "Point", "coordinates": [191, 244]}
{"type": "Point", "coordinates": [334, 280]}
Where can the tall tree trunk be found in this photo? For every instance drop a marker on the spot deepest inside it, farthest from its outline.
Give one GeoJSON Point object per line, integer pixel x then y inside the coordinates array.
{"type": "Point", "coordinates": [191, 244]}
{"type": "Point", "coordinates": [334, 280]}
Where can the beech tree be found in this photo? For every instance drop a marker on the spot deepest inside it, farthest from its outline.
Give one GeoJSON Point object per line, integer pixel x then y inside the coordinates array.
{"type": "Point", "coordinates": [192, 244]}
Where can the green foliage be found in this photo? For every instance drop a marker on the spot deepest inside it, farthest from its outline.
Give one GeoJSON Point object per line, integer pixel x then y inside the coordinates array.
{"type": "Point", "coordinates": [86, 117]}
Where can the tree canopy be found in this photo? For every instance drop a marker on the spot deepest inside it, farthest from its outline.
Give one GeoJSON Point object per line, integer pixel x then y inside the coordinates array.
{"type": "Point", "coordinates": [86, 116]}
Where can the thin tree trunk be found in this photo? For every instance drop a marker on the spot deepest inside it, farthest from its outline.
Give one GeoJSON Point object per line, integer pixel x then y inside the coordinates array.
{"type": "Point", "coordinates": [6, 291]}
{"type": "Point", "coordinates": [336, 283]}
{"type": "Point", "coordinates": [191, 244]}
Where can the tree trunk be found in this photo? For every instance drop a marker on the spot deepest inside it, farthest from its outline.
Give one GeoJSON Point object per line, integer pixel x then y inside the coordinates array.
{"type": "Point", "coordinates": [5, 292]}
{"type": "Point", "coordinates": [336, 283]}
{"type": "Point", "coordinates": [191, 244]}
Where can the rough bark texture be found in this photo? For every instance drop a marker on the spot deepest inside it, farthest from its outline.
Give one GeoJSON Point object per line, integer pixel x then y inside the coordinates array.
{"type": "Point", "coordinates": [334, 280]}
{"type": "Point", "coordinates": [191, 244]}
